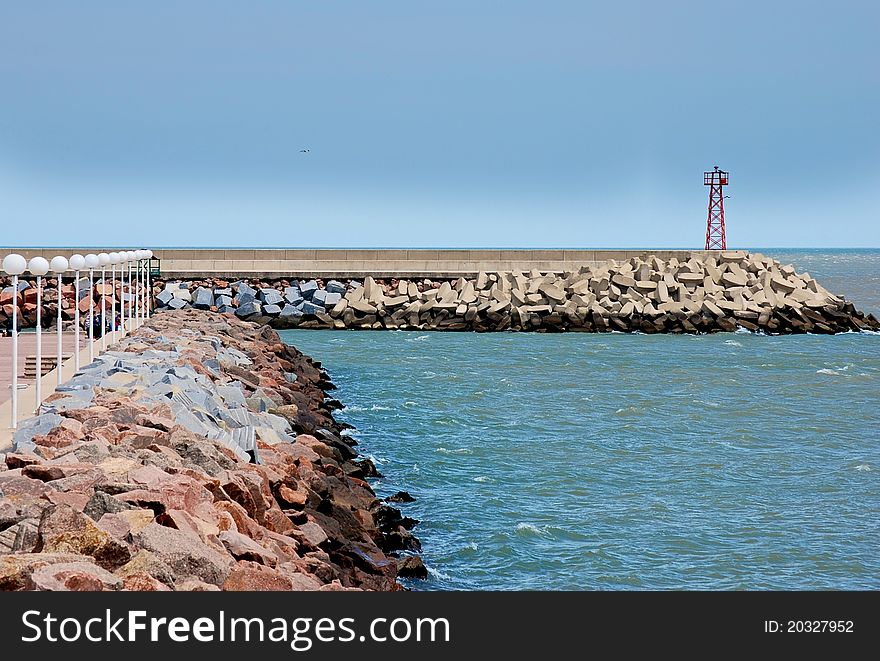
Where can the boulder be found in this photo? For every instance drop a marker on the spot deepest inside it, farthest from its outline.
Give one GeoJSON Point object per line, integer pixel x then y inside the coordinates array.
{"type": "Point", "coordinates": [204, 298]}
{"type": "Point", "coordinates": [269, 296]}
{"type": "Point", "coordinates": [185, 553]}
{"type": "Point", "coordinates": [308, 289]}
{"type": "Point", "coordinates": [335, 287]}
{"type": "Point", "coordinates": [249, 309]}
{"type": "Point", "coordinates": [311, 308]}
{"type": "Point", "coordinates": [80, 576]}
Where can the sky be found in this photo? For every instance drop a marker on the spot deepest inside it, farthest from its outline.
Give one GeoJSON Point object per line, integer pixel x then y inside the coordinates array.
{"type": "Point", "coordinates": [437, 124]}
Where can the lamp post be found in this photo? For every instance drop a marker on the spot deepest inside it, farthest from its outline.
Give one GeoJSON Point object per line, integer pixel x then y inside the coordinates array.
{"type": "Point", "coordinates": [137, 289]}
{"type": "Point", "coordinates": [136, 261]}
{"type": "Point", "coordinates": [59, 265]}
{"type": "Point", "coordinates": [39, 267]}
{"type": "Point", "coordinates": [91, 262]}
{"type": "Point", "coordinates": [14, 265]}
{"type": "Point", "coordinates": [149, 287]}
{"type": "Point", "coordinates": [132, 312]}
{"type": "Point", "coordinates": [142, 299]}
{"type": "Point", "coordinates": [128, 259]}
{"type": "Point", "coordinates": [77, 262]}
{"type": "Point", "coordinates": [103, 260]}
{"type": "Point", "coordinates": [115, 258]}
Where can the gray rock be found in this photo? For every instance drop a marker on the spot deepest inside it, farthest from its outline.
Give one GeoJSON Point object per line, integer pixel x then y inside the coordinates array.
{"type": "Point", "coordinates": [163, 298]}
{"type": "Point", "coordinates": [270, 296]}
{"type": "Point", "coordinates": [308, 289]}
{"type": "Point", "coordinates": [319, 296]}
{"type": "Point", "coordinates": [177, 304]}
{"type": "Point", "coordinates": [39, 425]}
{"type": "Point", "coordinates": [227, 291]}
{"type": "Point", "coordinates": [271, 310]}
{"type": "Point", "coordinates": [248, 309]}
{"type": "Point", "coordinates": [291, 311]}
{"type": "Point", "coordinates": [244, 288]}
{"type": "Point", "coordinates": [310, 308]}
{"type": "Point", "coordinates": [184, 553]}
{"type": "Point", "coordinates": [331, 299]}
{"type": "Point", "coordinates": [223, 301]}
{"type": "Point", "coordinates": [245, 298]}
{"type": "Point", "coordinates": [203, 299]}
{"type": "Point", "coordinates": [293, 296]}
{"type": "Point", "coordinates": [335, 287]}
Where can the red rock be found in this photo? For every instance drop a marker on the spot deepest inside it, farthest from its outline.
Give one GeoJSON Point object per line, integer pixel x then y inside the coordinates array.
{"type": "Point", "coordinates": [16, 569]}
{"type": "Point", "coordinates": [74, 577]}
{"type": "Point", "coordinates": [185, 553]}
{"type": "Point", "coordinates": [74, 499]}
{"type": "Point", "coordinates": [21, 459]}
{"type": "Point", "coordinates": [143, 582]}
{"type": "Point", "coordinates": [242, 547]}
{"type": "Point", "coordinates": [250, 577]}
{"type": "Point", "coordinates": [63, 529]}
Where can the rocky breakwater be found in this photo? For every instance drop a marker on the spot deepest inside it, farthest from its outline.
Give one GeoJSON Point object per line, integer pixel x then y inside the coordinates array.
{"type": "Point", "coordinates": [200, 453]}
{"type": "Point", "coordinates": [706, 293]}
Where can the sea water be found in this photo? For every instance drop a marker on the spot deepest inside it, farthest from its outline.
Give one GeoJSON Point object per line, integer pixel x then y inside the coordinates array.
{"type": "Point", "coordinates": [619, 461]}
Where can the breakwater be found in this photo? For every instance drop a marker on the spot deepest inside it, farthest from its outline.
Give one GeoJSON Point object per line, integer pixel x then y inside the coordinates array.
{"type": "Point", "coordinates": [703, 292]}
{"type": "Point", "coordinates": [199, 453]}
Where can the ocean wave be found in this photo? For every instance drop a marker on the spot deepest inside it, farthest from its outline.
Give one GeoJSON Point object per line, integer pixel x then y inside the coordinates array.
{"type": "Point", "coordinates": [456, 451]}
{"type": "Point", "coordinates": [863, 467]}
{"type": "Point", "coordinates": [828, 371]}
{"type": "Point", "coordinates": [732, 343]}
{"type": "Point", "coordinates": [374, 407]}
{"type": "Point", "coordinates": [483, 478]}
{"type": "Point", "coordinates": [628, 410]}
{"type": "Point", "coordinates": [525, 529]}
{"type": "Point", "coordinates": [436, 573]}
{"type": "Point", "coordinates": [418, 338]}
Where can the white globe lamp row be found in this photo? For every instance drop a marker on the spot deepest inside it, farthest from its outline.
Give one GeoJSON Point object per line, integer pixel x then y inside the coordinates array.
{"type": "Point", "coordinates": [138, 278]}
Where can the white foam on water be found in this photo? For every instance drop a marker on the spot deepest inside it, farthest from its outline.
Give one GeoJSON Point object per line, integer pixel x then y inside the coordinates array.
{"type": "Point", "coordinates": [456, 451]}
{"type": "Point", "coordinates": [828, 371]}
{"type": "Point", "coordinates": [732, 343]}
{"type": "Point", "coordinates": [628, 410]}
{"type": "Point", "coordinates": [483, 478]}
{"type": "Point", "coordinates": [418, 338]}
{"type": "Point", "coordinates": [374, 407]}
{"type": "Point", "coordinates": [436, 573]}
{"type": "Point", "coordinates": [863, 467]}
{"type": "Point", "coordinates": [531, 530]}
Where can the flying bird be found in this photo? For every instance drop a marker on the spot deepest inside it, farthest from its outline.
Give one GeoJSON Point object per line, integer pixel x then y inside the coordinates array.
{"type": "Point", "coordinates": [304, 151]}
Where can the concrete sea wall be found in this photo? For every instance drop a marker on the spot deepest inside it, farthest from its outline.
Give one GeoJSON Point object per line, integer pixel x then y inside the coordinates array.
{"type": "Point", "coordinates": [198, 453]}
{"type": "Point", "coordinates": [232, 264]}
{"type": "Point", "coordinates": [690, 293]}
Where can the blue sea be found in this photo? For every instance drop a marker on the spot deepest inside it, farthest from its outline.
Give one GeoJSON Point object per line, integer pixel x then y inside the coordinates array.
{"type": "Point", "coordinates": [616, 461]}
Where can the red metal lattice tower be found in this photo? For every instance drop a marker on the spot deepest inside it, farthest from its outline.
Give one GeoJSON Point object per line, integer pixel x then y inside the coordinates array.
{"type": "Point", "coordinates": [715, 237]}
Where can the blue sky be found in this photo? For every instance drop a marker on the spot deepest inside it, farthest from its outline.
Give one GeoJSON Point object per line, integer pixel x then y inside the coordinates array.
{"type": "Point", "coordinates": [437, 124]}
